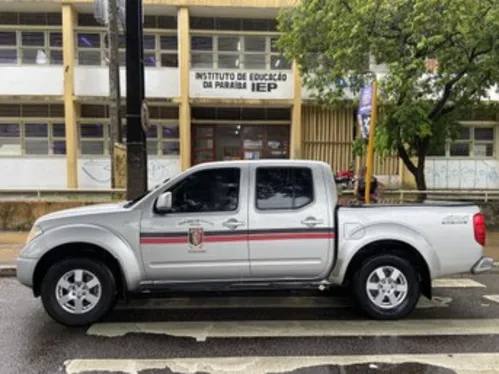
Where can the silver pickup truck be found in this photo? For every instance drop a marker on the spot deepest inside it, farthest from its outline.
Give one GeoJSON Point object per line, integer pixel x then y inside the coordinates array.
{"type": "Point", "coordinates": [269, 224]}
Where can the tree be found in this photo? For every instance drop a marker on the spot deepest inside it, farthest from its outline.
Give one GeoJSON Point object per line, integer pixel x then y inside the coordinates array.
{"type": "Point", "coordinates": [440, 58]}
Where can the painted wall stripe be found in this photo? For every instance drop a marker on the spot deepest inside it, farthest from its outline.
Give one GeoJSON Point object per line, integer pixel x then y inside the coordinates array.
{"type": "Point", "coordinates": [494, 298]}
{"type": "Point", "coordinates": [460, 363]}
{"type": "Point", "coordinates": [259, 329]}
{"type": "Point", "coordinates": [241, 302]}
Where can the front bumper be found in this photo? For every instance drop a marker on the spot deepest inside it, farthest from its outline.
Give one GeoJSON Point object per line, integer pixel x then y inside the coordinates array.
{"type": "Point", "coordinates": [483, 265]}
{"type": "Point", "coordinates": [26, 270]}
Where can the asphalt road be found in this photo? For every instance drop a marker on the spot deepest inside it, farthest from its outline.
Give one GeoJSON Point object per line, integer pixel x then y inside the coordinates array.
{"type": "Point", "coordinates": [298, 333]}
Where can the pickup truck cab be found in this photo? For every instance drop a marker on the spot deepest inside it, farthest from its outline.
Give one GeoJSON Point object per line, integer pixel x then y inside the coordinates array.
{"type": "Point", "coordinates": [267, 224]}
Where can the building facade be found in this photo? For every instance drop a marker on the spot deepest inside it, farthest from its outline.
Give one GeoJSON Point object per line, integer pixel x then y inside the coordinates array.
{"type": "Point", "coordinates": [216, 86]}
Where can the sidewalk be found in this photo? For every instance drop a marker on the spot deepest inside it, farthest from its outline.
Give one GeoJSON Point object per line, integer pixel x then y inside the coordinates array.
{"type": "Point", "coordinates": [11, 243]}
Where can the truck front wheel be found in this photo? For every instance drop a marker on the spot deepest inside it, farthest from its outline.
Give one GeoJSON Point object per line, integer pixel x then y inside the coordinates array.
{"type": "Point", "coordinates": [78, 291]}
{"type": "Point", "coordinates": [386, 287]}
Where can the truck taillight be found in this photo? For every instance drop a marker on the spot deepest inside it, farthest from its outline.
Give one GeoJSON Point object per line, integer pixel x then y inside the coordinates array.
{"type": "Point", "coordinates": [479, 228]}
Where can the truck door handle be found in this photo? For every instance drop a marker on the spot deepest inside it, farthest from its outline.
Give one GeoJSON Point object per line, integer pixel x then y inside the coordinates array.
{"type": "Point", "coordinates": [233, 223]}
{"type": "Point", "coordinates": [311, 221]}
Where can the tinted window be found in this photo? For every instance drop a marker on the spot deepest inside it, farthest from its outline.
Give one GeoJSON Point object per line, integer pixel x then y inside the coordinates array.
{"type": "Point", "coordinates": [214, 190]}
{"type": "Point", "coordinates": [283, 188]}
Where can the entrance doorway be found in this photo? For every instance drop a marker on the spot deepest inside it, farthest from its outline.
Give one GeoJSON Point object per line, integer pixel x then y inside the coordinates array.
{"type": "Point", "coordinates": [239, 133]}
{"type": "Point", "coordinates": [240, 141]}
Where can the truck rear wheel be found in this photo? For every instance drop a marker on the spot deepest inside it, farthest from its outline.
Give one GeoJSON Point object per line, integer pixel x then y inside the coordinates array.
{"type": "Point", "coordinates": [78, 291]}
{"type": "Point", "coordinates": [386, 287]}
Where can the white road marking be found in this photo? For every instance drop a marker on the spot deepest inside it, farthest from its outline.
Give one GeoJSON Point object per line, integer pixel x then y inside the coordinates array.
{"type": "Point", "coordinates": [494, 298]}
{"type": "Point", "coordinates": [306, 328]}
{"type": "Point", "coordinates": [259, 302]}
{"type": "Point", "coordinates": [460, 363]}
{"type": "Point", "coordinates": [456, 283]}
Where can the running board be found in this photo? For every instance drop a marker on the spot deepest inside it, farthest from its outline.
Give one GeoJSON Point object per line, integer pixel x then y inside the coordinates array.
{"type": "Point", "coordinates": [163, 287]}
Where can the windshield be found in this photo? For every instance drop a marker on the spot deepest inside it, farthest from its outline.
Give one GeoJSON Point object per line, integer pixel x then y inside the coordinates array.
{"type": "Point", "coordinates": [131, 203]}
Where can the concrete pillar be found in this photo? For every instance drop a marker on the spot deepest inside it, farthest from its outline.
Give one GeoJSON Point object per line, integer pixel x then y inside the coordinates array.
{"type": "Point", "coordinates": [69, 20]}
{"type": "Point", "coordinates": [184, 70]}
{"type": "Point", "coordinates": [296, 125]}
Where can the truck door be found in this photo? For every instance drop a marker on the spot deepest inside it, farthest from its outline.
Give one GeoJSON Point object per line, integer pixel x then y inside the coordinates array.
{"type": "Point", "coordinates": [204, 236]}
{"type": "Point", "coordinates": [290, 233]}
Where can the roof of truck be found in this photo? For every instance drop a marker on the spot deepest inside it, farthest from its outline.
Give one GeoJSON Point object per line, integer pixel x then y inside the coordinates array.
{"type": "Point", "coordinates": [264, 162]}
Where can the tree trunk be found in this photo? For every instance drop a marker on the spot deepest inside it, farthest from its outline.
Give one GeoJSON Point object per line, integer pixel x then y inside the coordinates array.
{"type": "Point", "coordinates": [420, 182]}
{"type": "Point", "coordinates": [416, 170]}
{"type": "Point", "coordinates": [114, 87]}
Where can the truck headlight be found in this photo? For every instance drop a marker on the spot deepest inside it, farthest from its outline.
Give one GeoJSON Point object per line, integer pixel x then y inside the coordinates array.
{"type": "Point", "coordinates": [35, 232]}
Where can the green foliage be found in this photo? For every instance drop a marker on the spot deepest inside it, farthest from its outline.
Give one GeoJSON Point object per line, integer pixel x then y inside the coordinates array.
{"type": "Point", "coordinates": [333, 39]}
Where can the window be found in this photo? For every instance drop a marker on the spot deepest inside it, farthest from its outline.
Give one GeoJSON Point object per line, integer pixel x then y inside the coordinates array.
{"type": "Point", "coordinates": [8, 50]}
{"type": "Point", "coordinates": [92, 139]}
{"type": "Point", "coordinates": [10, 139]}
{"type": "Point", "coordinates": [236, 52]}
{"type": "Point", "coordinates": [474, 139]}
{"type": "Point", "coordinates": [462, 145]}
{"type": "Point", "coordinates": [59, 139]}
{"type": "Point", "coordinates": [283, 188]}
{"type": "Point", "coordinates": [159, 42]}
{"type": "Point", "coordinates": [214, 190]}
{"type": "Point", "coordinates": [89, 48]}
{"type": "Point", "coordinates": [31, 47]}
{"type": "Point", "coordinates": [233, 24]}
{"type": "Point", "coordinates": [36, 138]}
{"type": "Point", "coordinates": [32, 137]}
{"type": "Point", "coordinates": [168, 47]}
{"type": "Point", "coordinates": [162, 137]}
{"type": "Point", "coordinates": [483, 142]}
{"type": "Point", "coordinates": [30, 38]}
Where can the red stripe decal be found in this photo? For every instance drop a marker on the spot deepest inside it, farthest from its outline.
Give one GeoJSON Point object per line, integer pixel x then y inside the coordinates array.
{"type": "Point", "coordinates": [239, 238]}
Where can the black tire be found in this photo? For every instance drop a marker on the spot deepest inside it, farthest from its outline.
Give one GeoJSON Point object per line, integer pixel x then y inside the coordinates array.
{"type": "Point", "coordinates": [103, 306]}
{"type": "Point", "coordinates": [366, 305]}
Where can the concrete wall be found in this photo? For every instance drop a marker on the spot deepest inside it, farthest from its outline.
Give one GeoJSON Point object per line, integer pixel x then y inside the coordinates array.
{"type": "Point", "coordinates": [31, 80]}
{"type": "Point", "coordinates": [462, 174]}
{"type": "Point", "coordinates": [50, 172]}
{"type": "Point", "coordinates": [94, 81]}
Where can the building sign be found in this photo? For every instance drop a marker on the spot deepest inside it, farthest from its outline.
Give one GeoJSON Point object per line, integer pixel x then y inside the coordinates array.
{"type": "Point", "coordinates": [238, 84]}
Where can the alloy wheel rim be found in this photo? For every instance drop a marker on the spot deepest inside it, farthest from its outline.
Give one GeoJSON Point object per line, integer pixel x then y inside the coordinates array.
{"type": "Point", "coordinates": [78, 291]}
{"type": "Point", "coordinates": [387, 287]}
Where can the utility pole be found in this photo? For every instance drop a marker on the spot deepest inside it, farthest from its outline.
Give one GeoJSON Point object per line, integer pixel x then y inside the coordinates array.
{"type": "Point", "coordinates": [115, 127]}
{"type": "Point", "coordinates": [136, 141]}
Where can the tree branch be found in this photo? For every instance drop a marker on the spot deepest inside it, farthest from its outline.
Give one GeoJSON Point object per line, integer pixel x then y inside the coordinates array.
{"type": "Point", "coordinates": [447, 92]}
{"type": "Point", "coordinates": [346, 5]}
{"type": "Point", "coordinates": [449, 85]}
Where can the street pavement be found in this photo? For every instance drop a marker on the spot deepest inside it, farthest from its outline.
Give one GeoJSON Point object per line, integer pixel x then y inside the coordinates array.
{"type": "Point", "coordinates": [246, 333]}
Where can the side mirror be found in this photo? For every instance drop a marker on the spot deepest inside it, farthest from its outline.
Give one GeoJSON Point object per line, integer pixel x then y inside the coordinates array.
{"type": "Point", "coordinates": [164, 202]}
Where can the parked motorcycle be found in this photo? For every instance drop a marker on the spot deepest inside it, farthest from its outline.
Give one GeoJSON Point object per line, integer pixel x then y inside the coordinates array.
{"type": "Point", "coordinates": [345, 178]}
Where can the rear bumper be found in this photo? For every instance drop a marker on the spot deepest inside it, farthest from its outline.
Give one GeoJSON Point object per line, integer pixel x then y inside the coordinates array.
{"type": "Point", "coordinates": [483, 265]}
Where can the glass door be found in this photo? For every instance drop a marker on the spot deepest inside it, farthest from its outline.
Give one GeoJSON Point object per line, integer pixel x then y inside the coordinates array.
{"type": "Point", "coordinates": [269, 141]}
{"type": "Point", "coordinates": [253, 142]}
{"type": "Point", "coordinates": [277, 142]}
{"type": "Point", "coordinates": [203, 149]}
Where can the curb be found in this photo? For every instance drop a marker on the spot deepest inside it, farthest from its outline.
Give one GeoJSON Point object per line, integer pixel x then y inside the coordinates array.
{"type": "Point", "coordinates": [8, 270]}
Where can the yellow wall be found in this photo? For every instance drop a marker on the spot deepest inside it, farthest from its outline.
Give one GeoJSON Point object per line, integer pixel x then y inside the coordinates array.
{"type": "Point", "coordinates": [327, 136]}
